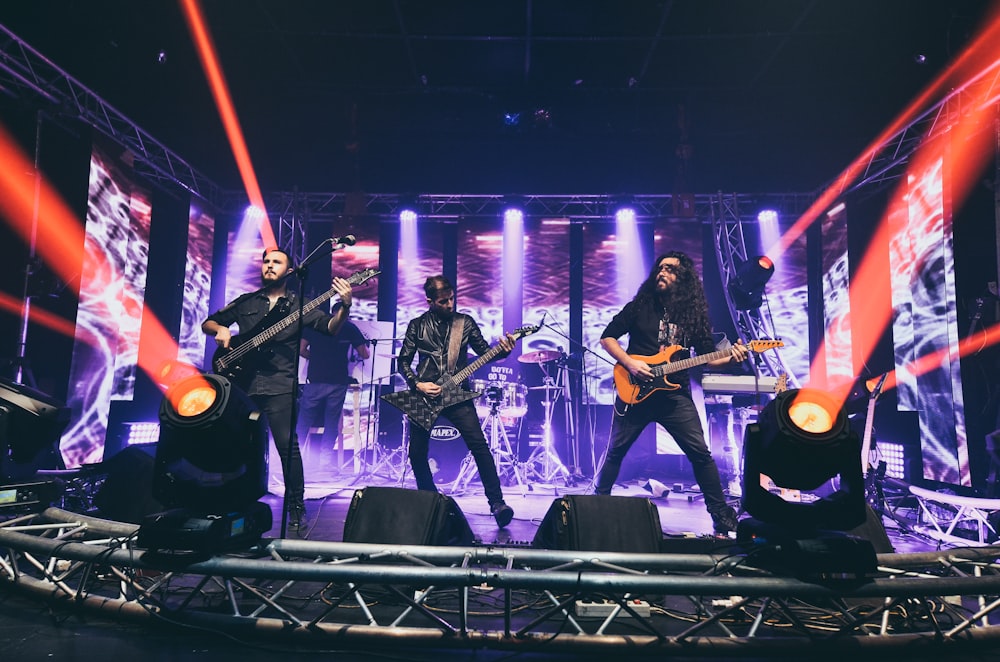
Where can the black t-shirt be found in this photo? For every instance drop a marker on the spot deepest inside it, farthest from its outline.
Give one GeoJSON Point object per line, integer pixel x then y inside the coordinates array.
{"type": "Point", "coordinates": [328, 355]}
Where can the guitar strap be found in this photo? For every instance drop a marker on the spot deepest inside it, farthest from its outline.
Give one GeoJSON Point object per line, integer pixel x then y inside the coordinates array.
{"type": "Point", "coordinates": [457, 327]}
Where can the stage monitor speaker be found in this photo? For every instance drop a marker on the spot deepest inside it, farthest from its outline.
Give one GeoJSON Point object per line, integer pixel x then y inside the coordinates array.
{"type": "Point", "coordinates": [398, 516]}
{"type": "Point", "coordinates": [601, 523]}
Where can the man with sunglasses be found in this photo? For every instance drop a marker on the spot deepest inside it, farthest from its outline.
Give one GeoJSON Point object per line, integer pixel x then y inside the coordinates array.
{"type": "Point", "coordinates": [669, 311]}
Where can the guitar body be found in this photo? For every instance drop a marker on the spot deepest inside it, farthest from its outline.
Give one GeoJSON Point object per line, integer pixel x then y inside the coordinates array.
{"type": "Point", "coordinates": [423, 410]}
{"type": "Point", "coordinates": [240, 368]}
{"type": "Point", "coordinates": [239, 372]}
{"type": "Point", "coordinates": [631, 391]}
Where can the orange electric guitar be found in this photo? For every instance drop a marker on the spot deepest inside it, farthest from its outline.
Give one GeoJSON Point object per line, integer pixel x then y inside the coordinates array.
{"type": "Point", "coordinates": [632, 392]}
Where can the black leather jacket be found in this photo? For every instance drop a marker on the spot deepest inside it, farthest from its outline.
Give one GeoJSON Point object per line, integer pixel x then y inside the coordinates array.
{"type": "Point", "coordinates": [429, 336]}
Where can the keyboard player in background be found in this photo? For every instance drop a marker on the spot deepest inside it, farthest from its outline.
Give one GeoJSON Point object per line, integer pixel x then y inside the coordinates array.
{"type": "Point", "coordinates": [669, 309]}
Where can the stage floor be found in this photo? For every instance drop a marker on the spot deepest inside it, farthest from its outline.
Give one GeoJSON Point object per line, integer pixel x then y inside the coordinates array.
{"type": "Point", "coordinates": [682, 511]}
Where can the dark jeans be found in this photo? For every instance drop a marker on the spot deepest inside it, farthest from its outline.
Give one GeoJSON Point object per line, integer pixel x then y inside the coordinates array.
{"type": "Point", "coordinates": [325, 398]}
{"type": "Point", "coordinates": [677, 414]}
{"type": "Point", "coordinates": [464, 417]}
{"type": "Point", "coordinates": [278, 409]}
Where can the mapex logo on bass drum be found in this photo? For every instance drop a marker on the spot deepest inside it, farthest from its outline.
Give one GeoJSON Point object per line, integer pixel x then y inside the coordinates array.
{"type": "Point", "coordinates": [445, 433]}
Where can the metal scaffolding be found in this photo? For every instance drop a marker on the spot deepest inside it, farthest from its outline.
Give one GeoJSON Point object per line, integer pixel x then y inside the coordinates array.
{"type": "Point", "coordinates": [325, 593]}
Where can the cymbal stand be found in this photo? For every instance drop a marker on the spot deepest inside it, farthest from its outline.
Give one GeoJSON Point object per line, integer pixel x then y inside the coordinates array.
{"type": "Point", "coordinates": [503, 455]}
{"type": "Point", "coordinates": [544, 463]}
{"type": "Point", "coordinates": [396, 460]}
{"type": "Point", "coordinates": [380, 455]}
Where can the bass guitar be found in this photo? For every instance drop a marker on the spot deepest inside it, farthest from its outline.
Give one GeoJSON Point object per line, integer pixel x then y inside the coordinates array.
{"type": "Point", "coordinates": [424, 410]}
{"type": "Point", "coordinates": [631, 391]}
{"type": "Point", "coordinates": [238, 362]}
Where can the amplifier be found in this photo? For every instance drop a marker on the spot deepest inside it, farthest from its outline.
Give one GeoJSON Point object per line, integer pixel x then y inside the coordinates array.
{"type": "Point", "coordinates": [29, 497]}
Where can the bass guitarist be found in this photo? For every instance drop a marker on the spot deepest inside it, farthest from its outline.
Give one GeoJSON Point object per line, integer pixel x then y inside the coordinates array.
{"type": "Point", "coordinates": [270, 371]}
{"type": "Point", "coordinates": [668, 311]}
{"type": "Point", "coordinates": [437, 335]}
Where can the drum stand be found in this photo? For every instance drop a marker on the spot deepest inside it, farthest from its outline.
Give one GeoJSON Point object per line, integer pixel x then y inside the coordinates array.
{"type": "Point", "coordinates": [503, 456]}
{"type": "Point", "coordinates": [544, 464]}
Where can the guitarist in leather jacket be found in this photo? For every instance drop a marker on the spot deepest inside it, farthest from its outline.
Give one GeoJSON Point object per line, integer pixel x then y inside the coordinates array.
{"type": "Point", "coordinates": [669, 309]}
{"type": "Point", "coordinates": [429, 336]}
{"type": "Point", "coordinates": [271, 383]}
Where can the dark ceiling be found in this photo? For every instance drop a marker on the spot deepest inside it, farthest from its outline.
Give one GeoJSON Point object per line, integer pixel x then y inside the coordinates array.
{"type": "Point", "coordinates": [530, 96]}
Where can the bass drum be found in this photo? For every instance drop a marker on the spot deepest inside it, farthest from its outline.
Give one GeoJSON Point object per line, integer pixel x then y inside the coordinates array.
{"type": "Point", "coordinates": [445, 452]}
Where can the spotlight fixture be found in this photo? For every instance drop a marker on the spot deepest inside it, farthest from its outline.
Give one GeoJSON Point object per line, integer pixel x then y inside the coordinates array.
{"type": "Point", "coordinates": [210, 468]}
{"type": "Point", "coordinates": [746, 287]}
{"type": "Point", "coordinates": [801, 440]}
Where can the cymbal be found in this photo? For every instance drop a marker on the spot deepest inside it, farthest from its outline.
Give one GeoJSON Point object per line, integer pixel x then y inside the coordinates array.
{"type": "Point", "coordinates": [541, 356]}
{"type": "Point", "coordinates": [545, 388]}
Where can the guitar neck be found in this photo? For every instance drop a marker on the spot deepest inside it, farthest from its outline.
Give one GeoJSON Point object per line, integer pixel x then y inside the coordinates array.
{"type": "Point", "coordinates": [464, 373]}
{"type": "Point", "coordinates": [684, 364]}
{"type": "Point", "coordinates": [290, 319]}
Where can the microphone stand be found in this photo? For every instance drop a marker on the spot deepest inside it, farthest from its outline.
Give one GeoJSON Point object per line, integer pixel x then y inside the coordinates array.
{"type": "Point", "coordinates": [571, 419]}
{"type": "Point", "coordinates": [302, 273]}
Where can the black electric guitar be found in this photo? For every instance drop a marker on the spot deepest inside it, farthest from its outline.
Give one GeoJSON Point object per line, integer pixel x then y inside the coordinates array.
{"type": "Point", "coordinates": [238, 363]}
{"type": "Point", "coordinates": [424, 409]}
{"type": "Point", "coordinates": [631, 391]}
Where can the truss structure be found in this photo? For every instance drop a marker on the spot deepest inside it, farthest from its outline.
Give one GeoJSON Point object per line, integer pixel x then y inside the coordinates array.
{"type": "Point", "coordinates": [26, 73]}
{"type": "Point", "coordinates": [345, 594]}
{"type": "Point", "coordinates": [730, 253]}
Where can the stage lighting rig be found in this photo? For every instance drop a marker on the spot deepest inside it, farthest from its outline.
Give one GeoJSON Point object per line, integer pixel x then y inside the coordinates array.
{"type": "Point", "coordinates": [210, 469]}
{"type": "Point", "coordinates": [801, 440]}
{"type": "Point", "coordinates": [746, 286]}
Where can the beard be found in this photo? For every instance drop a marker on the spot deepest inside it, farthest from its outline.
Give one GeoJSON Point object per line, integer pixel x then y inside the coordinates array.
{"type": "Point", "coordinates": [273, 282]}
{"type": "Point", "coordinates": [669, 296]}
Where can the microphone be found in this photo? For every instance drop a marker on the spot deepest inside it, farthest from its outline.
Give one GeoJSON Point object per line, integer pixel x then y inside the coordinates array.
{"type": "Point", "coordinates": [346, 240]}
{"type": "Point", "coordinates": [541, 323]}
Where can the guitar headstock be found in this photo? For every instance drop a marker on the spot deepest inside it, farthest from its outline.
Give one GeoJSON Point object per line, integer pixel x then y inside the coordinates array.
{"type": "Point", "coordinates": [764, 345]}
{"type": "Point", "coordinates": [363, 276]}
{"type": "Point", "coordinates": [524, 331]}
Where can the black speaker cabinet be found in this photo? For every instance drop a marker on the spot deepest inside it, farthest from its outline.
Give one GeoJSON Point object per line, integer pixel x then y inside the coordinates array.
{"type": "Point", "coordinates": [398, 516]}
{"type": "Point", "coordinates": [601, 523]}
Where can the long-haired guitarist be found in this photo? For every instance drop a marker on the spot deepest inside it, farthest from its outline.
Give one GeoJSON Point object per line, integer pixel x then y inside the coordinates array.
{"type": "Point", "coordinates": [668, 311]}
{"type": "Point", "coordinates": [430, 337]}
{"type": "Point", "coordinates": [271, 370]}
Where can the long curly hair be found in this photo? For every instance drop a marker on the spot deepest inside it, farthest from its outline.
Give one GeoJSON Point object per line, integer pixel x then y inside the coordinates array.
{"type": "Point", "coordinates": [685, 302]}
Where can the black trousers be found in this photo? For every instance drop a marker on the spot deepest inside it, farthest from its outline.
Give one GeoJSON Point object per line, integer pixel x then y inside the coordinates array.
{"type": "Point", "coordinates": [464, 417]}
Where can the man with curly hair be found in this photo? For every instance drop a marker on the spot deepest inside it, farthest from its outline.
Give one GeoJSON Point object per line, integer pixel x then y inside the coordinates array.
{"type": "Point", "coordinates": [669, 310]}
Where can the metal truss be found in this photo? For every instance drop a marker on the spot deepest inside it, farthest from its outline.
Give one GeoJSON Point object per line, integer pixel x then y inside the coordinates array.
{"type": "Point", "coordinates": [26, 73]}
{"type": "Point", "coordinates": [887, 162]}
{"type": "Point", "coordinates": [322, 206]}
{"type": "Point", "coordinates": [322, 594]}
